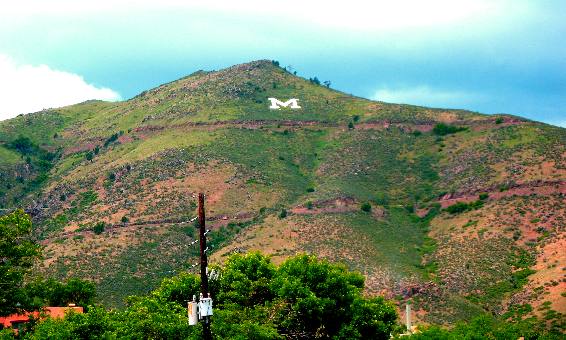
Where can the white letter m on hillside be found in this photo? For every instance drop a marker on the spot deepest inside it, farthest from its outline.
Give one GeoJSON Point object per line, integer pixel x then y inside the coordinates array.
{"type": "Point", "coordinates": [291, 103]}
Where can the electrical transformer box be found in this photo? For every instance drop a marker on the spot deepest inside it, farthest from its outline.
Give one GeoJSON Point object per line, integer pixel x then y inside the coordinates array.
{"type": "Point", "coordinates": [193, 313]}
{"type": "Point", "coordinates": [205, 307]}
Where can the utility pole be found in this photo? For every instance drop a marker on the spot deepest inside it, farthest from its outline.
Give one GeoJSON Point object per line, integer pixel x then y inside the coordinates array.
{"type": "Point", "coordinates": [408, 317]}
{"type": "Point", "coordinates": [207, 335]}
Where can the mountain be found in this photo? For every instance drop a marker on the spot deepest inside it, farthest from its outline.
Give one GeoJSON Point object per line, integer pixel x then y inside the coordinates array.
{"type": "Point", "coordinates": [457, 211]}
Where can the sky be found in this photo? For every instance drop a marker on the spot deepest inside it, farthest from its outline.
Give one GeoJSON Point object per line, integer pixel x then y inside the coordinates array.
{"type": "Point", "coordinates": [497, 56]}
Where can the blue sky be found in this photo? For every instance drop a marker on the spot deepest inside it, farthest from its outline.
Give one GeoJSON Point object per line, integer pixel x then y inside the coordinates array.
{"type": "Point", "coordinates": [487, 56]}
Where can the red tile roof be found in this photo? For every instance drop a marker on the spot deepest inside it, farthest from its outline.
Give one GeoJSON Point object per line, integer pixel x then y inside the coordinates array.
{"type": "Point", "coordinates": [54, 312]}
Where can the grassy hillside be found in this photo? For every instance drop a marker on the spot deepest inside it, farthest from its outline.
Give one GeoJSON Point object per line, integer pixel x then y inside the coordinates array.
{"type": "Point", "coordinates": [111, 183]}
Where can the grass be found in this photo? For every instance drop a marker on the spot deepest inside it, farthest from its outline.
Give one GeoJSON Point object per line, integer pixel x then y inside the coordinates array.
{"type": "Point", "coordinates": [400, 231]}
{"type": "Point", "coordinates": [8, 156]}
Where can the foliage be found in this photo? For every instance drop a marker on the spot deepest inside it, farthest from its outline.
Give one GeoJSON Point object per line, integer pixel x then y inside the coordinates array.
{"type": "Point", "coordinates": [111, 139]}
{"type": "Point", "coordinates": [17, 255]}
{"type": "Point", "coordinates": [366, 206]}
{"type": "Point", "coordinates": [463, 206]}
{"type": "Point", "coordinates": [488, 327]}
{"type": "Point", "coordinates": [38, 163]}
{"type": "Point", "coordinates": [39, 293]}
{"type": "Point", "coordinates": [254, 299]}
{"type": "Point", "coordinates": [442, 129]}
{"type": "Point", "coordinates": [98, 228]}
{"type": "Point", "coordinates": [314, 81]}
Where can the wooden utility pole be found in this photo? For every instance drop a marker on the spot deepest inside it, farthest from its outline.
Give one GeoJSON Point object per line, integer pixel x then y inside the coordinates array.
{"type": "Point", "coordinates": [203, 264]}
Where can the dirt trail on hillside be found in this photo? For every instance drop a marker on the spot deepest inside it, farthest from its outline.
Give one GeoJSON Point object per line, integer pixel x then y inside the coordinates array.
{"type": "Point", "coordinates": [338, 205]}
{"type": "Point", "coordinates": [334, 205]}
{"type": "Point", "coordinates": [369, 125]}
{"type": "Point", "coordinates": [144, 132]}
{"type": "Point", "coordinates": [543, 188]}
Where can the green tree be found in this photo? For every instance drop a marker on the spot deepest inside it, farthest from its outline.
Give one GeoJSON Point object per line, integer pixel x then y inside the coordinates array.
{"type": "Point", "coordinates": [316, 298]}
{"type": "Point", "coordinates": [17, 255]}
{"type": "Point", "coordinates": [40, 293]}
{"type": "Point", "coordinates": [303, 298]}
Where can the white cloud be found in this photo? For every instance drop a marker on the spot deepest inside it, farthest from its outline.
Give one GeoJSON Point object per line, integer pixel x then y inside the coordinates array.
{"type": "Point", "coordinates": [427, 96]}
{"type": "Point", "coordinates": [29, 88]}
{"type": "Point", "coordinates": [354, 14]}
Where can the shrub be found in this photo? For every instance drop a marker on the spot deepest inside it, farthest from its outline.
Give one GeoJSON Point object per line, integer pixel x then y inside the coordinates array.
{"type": "Point", "coordinates": [462, 206]}
{"type": "Point", "coordinates": [366, 207]}
{"type": "Point", "coordinates": [442, 129]}
{"type": "Point", "coordinates": [111, 139]}
{"type": "Point", "coordinates": [499, 120]}
{"type": "Point", "coordinates": [350, 125]}
{"type": "Point", "coordinates": [309, 205]}
{"type": "Point", "coordinates": [283, 213]}
{"type": "Point", "coordinates": [457, 208]}
{"type": "Point", "coordinates": [125, 219]}
{"type": "Point", "coordinates": [310, 189]}
{"type": "Point", "coordinates": [98, 228]}
{"type": "Point", "coordinates": [483, 196]}
{"type": "Point", "coordinates": [314, 81]}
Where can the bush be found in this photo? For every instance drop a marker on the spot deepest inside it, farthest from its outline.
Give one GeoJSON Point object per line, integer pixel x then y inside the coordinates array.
{"type": "Point", "coordinates": [283, 213]}
{"type": "Point", "coordinates": [111, 139]}
{"type": "Point", "coordinates": [366, 207]}
{"type": "Point", "coordinates": [310, 189]}
{"type": "Point", "coordinates": [488, 327]}
{"type": "Point", "coordinates": [483, 196]}
{"type": "Point", "coordinates": [442, 129]}
{"type": "Point", "coordinates": [314, 81]}
{"type": "Point", "coordinates": [125, 219]}
{"type": "Point", "coordinates": [462, 206]}
{"type": "Point", "coordinates": [112, 176]}
{"type": "Point", "coordinates": [457, 208]}
{"type": "Point", "coordinates": [350, 125]}
{"type": "Point", "coordinates": [499, 120]}
{"type": "Point", "coordinates": [98, 228]}
{"type": "Point", "coordinates": [309, 205]}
